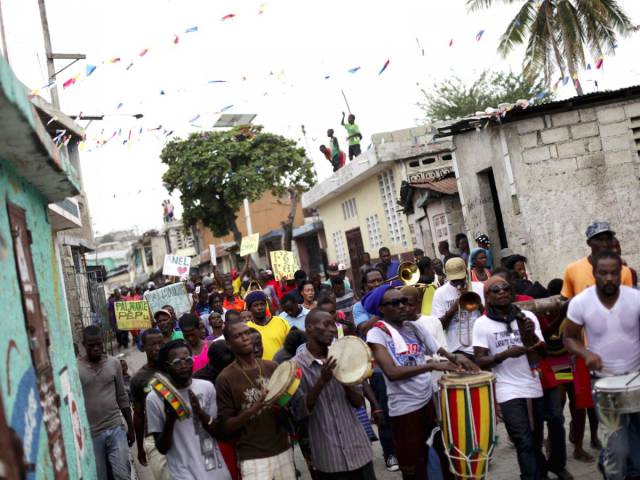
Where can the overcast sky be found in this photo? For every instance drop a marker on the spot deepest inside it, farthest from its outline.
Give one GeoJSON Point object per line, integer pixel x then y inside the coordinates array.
{"type": "Point", "coordinates": [275, 64]}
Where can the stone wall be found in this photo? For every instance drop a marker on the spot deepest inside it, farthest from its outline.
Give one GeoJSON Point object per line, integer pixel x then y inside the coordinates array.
{"type": "Point", "coordinates": [567, 169]}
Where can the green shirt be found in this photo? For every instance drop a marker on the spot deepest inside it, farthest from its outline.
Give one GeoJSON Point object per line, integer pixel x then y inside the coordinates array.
{"type": "Point", "coordinates": [354, 133]}
{"type": "Point", "coordinates": [177, 335]}
{"type": "Point", "coordinates": [335, 148]}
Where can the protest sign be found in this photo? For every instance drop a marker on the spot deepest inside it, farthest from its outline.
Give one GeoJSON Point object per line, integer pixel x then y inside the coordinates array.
{"type": "Point", "coordinates": [176, 265]}
{"type": "Point", "coordinates": [175, 295]}
{"type": "Point", "coordinates": [132, 315]}
{"type": "Point", "coordinates": [212, 252]}
{"type": "Point", "coordinates": [284, 264]}
{"type": "Point", "coordinates": [249, 244]}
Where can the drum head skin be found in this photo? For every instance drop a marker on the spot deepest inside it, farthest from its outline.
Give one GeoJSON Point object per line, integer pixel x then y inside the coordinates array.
{"type": "Point", "coordinates": [353, 360]}
{"type": "Point", "coordinates": [280, 380]}
{"type": "Point", "coordinates": [464, 379]}
{"type": "Point", "coordinates": [618, 383]}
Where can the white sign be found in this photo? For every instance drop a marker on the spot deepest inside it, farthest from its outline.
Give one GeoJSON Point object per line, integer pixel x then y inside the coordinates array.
{"type": "Point", "coordinates": [175, 295]}
{"type": "Point", "coordinates": [212, 251]}
{"type": "Point", "coordinates": [176, 265]}
{"type": "Point", "coordinates": [429, 175]}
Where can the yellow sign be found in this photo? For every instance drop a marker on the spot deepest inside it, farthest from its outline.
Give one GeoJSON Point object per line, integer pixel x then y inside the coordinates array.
{"type": "Point", "coordinates": [133, 315]}
{"type": "Point", "coordinates": [284, 264]}
{"type": "Point", "coordinates": [249, 244]}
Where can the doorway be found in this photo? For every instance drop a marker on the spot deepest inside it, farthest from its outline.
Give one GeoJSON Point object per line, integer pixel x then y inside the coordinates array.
{"type": "Point", "coordinates": [356, 255]}
{"type": "Point", "coordinates": [491, 205]}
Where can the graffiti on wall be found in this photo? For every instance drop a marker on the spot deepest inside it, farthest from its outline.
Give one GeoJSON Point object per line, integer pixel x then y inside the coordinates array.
{"type": "Point", "coordinates": [27, 419]}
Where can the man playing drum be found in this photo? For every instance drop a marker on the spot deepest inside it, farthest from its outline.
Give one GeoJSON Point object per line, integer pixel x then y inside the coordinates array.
{"type": "Point", "coordinates": [498, 343]}
{"type": "Point", "coordinates": [610, 315]}
{"type": "Point", "coordinates": [339, 446]}
{"type": "Point", "coordinates": [401, 348]}
{"type": "Point", "coordinates": [262, 443]}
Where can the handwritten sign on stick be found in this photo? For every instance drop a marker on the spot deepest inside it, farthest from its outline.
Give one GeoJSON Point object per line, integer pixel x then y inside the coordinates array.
{"type": "Point", "coordinates": [249, 244]}
{"type": "Point", "coordinates": [175, 295]}
{"type": "Point", "coordinates": [132, 315]}
{"type": "Point", "coordinates": [284, 264]}
{"type": "Point", "coordinates": [176, 265]}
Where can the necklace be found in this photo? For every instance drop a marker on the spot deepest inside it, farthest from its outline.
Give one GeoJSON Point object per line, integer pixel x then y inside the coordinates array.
{"type": "Point", "coordinates": [245, 373]}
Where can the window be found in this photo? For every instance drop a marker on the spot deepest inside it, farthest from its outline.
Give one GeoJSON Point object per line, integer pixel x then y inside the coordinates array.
{"type": "Point", "coordinates": [338, 246]}
{"type": "Point", "coordinates": [373, 231]}
{"type": "Point", "coordinates": [148, 256]}
{"type": "Point", "coordinates": [427, 161]}
{"type": "Point", "coordinates": [394, 220]}
{"type": "Point", "coordinates": [440, 225]}
{"type": "Point", "coordinates": [447, 157]}
{"type": "Point", "coordinates": [349, 208]}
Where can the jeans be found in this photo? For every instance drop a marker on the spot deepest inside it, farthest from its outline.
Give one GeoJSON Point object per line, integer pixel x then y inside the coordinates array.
{"type": "Point", "coordinates": [363, 473]}
{"type": "Point", "coordinates": [621, 444]}
{"type": "Point", "coordinates": [557, 460]}
{"type": "Point", "coordinates": [384, 432]}
{"type": "Point", "coordinates": [112, 454]}
{"type": "Point", "coordinates": [525, 427]}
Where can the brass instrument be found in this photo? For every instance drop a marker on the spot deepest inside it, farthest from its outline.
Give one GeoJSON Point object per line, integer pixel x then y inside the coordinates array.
{"type": "Point", "coordinates": [468, 304]}
{"type": "Point", "coordinates": [550, 305]}
{"type": "Point", "coordinates": [253, 286]}
{"type": "Point", "coordinates": [408, 274]}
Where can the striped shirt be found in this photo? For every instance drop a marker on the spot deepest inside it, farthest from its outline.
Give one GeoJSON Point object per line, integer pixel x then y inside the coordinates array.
{"type": "Point", "coordinates": [338, 441]}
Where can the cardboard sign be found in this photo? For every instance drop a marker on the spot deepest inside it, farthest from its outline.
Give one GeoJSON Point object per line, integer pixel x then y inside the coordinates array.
{"type": "Point", "coordinates": [212, 252]}
{"type": "Point", "coordinates": [132, 315]}
{"type": "Point", "coordinates": [176, 265]}
{"type": "Point", "coordinates": [284, 264]}
{"type": "Point", "coordinates": [175, 295]}
{"type": "Point", "coordinates": [249, 244]}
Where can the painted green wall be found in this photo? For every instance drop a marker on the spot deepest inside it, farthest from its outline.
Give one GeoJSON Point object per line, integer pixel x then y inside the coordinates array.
{"type": "Point", "coordinates": [17, 380]}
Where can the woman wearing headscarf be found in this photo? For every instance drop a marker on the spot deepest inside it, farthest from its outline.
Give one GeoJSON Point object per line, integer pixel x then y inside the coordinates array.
{"type": "Point", "coordinates": [478, 265]}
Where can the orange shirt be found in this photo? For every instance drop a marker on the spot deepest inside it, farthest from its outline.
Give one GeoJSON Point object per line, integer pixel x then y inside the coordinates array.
{"type": "Point", "coordinates": [578, 276]}
{"type": "Point", "coordinates": [237, 304]}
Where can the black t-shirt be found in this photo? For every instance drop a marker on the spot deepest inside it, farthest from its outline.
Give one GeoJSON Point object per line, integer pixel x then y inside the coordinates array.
{"type": "Point", "coordinates": [140, 384]}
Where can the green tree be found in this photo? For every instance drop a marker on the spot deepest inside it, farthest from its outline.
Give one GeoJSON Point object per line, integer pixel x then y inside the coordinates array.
{"type": "Point", "coordinates": [454, 98]}
{"type": "Point", "coordinates": [557, 34]}
{"type": "Point", "coordinates": [215, 171]}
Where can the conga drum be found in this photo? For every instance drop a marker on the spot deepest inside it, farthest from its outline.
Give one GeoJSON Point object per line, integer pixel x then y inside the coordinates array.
{"type": "Point", "coordinates": [283, 383]}
{"type": "Point", "coordinates": [467, 409]}
{"type": "Point", "coordinates": [163, 387]}
{"type": "Point", "coordinates": [354, 360]}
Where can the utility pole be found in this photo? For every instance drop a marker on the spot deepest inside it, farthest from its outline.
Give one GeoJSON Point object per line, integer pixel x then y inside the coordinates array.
{"type": "Point", "coordinates": [51, 69]}
{"type": "Point", "coordinates": [5, 52]}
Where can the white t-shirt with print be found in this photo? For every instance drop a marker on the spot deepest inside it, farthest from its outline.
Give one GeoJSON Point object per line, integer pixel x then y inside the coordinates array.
{"type": "Point", "coordinates": [613, 334]}
{"type": "Point", "coordinates": [434, 327]}
{"type": "Point", "coordinates": [411, 394]}
{"type": "Point", "coordinates": [514, 378]}
{"type": "Point", "coordinates": [443, 298]}
{"type": "Point", "coordinates": [193, 453]}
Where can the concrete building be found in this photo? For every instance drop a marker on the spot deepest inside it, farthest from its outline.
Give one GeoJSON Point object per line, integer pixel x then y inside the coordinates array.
{"type": "Point", "coordinates": [359, 208]}
{"type": "Point", "coordinates": [40, 394]}
{"type": "Point", "coordinates": [146, 257]}
{"type": "Point", "coordinates": [534, 178]}
{"type": "Point", "coordinates": [265, 216]}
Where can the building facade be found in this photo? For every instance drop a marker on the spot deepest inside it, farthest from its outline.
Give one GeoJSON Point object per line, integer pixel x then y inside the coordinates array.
{"type": "Point", "coordinates": [41, 399]}
{"type": "Point", "coordinates": [533, 179]}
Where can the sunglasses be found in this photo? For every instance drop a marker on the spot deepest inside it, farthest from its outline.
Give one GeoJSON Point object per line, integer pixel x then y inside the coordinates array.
{"type": "Point", "coordinates": [176, 362]}
{"type": "Point", "coordinates": [498, 288]}
{"type": "Point", "coordinates": [396, 303]}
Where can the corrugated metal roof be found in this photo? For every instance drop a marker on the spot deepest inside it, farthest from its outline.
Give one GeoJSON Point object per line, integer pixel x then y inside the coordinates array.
{"type": "Point", "coordinates": [447, 186]}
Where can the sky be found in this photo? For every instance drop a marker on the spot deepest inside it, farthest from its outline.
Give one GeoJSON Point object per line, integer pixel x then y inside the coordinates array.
{"type": "Point", "coordinates": [274, 63]}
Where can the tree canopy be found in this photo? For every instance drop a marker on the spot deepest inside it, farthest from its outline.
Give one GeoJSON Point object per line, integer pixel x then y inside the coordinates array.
{"type": "Point", "coordinates": [455, 98]}
{"type": "Point", "coordinates": [557, 34]}
{"type": "Point", "coordinates": [215, 171]}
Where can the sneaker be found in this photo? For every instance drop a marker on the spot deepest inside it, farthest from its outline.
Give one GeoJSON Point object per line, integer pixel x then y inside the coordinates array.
{"type": "Point", "coordinates": [392, 463]}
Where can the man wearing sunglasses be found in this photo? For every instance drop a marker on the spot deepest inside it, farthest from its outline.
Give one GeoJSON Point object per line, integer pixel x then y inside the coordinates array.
{"type": "Point", "coordinates": [446, 307]}
{"type": "Point", "coordinates": [403, 349]}
{"type": "Point", "coordinates": [498, 346]}
{"type": "Point", "coordinates": [189, 445]}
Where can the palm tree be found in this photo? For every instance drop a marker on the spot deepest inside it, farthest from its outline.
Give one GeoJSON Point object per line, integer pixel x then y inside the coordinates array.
{"type": "Point", "coordinates": [557, 33]}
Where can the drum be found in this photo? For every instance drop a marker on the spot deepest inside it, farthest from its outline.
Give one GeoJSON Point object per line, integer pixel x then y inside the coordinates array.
{"type": "Point", "coordinates": [467, 409]}
{"type": "Point", "coordinates": [283, 383]}
{"type": "Point", "coordinates": [619, 394]}
{"type": "Point", "coordinates": [163, 387]}
{"type": "Point", "coordinates": [354, 360]}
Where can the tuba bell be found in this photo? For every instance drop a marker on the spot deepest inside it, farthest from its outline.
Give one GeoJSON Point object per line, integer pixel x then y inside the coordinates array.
{"type": "Point", "coordinates": [408, 274]}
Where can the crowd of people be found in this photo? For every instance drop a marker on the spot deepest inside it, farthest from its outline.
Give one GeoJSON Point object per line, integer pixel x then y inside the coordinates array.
{"type": "Point", "coordinates": [219, 358]}
{"type": "Point", "coordinates": [333, 153]}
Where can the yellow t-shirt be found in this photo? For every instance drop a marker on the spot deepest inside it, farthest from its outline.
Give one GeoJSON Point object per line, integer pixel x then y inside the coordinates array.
{"type": "Point", "coordinates": [273, 335]}
{"type": "Point", "coordinates": [578, 276]}
{"type": "Point", "coordinates": [236, 284]}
